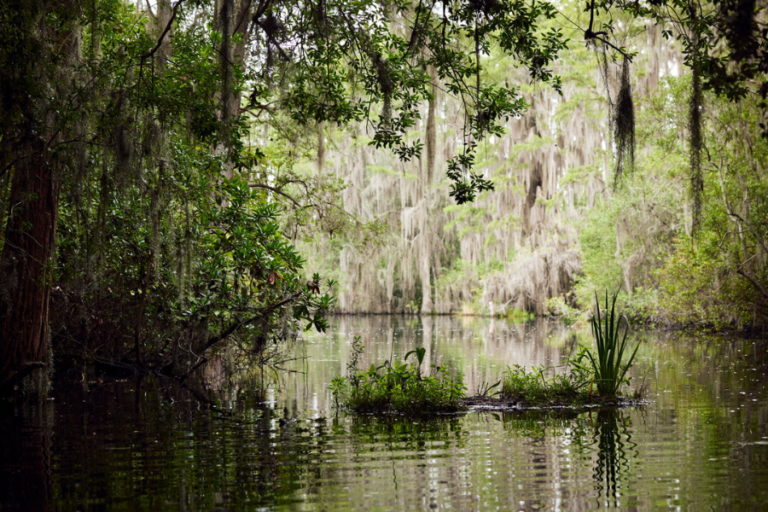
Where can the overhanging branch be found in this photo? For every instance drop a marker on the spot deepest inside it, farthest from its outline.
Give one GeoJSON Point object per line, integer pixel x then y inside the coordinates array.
{"type": "Point", "coordinates": [235, 326]}
{"type": "Point", "coordinates": [6, 387]}
{"type": "Point", "coordinates": [165, 32]}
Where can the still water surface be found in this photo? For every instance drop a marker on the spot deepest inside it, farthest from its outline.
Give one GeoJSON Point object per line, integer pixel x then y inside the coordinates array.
{"type": "Point", "coordinates": [700, 444]}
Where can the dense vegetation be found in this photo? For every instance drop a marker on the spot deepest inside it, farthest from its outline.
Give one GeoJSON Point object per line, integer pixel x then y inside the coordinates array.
{"type": "Point", "coordinates": [399, 387]}
{"type": "Point", "coordinates": [149, 195]}
{"type": "Point", "coordinates": [166, 168]}
{"type": "Point", "coordinates": [643, 238]}
{"type": "Point", "coordinates": [682, 247]}
{"type": "Point", "coordinates": [587, 379]}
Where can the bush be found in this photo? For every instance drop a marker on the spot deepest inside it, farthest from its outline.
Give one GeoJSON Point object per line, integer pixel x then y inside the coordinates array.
{"type": "Point", "coordinates": [401, 388]}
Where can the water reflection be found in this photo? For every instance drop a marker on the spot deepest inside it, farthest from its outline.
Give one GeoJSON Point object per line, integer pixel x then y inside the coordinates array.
{"type": "Point", "coordinates": [26, 473]}
{"type": "Point", "coordinates": [612, 467]}
{"type": "Point", "coordinates": [481, 348]}
{"type": "Point", "coordinates": [229, 444]}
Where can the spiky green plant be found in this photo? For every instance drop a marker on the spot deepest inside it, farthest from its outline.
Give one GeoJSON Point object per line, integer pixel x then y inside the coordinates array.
{"type": "Point", "coordinates": [608, 369]}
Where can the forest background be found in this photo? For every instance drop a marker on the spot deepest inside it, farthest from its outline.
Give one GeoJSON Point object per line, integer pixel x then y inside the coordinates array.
{"type": "Point", "coordinates": [567, 217]}
{"type": "Point", "coordinates": [184, 179]}
{"type": "Point", "coordinates": [562, 222]}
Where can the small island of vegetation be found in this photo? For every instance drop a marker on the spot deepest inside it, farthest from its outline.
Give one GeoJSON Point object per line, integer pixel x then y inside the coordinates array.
{"type": "Point", "coordinates": [591, 378]}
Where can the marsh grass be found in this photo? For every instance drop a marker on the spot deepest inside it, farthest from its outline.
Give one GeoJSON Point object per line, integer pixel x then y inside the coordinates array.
{"type": "Point", "coordinates": [524, 388]}
{"type": "Point", "coordinates": [534, 386]}
{"type": "Point", "coordinates": [534, 389]}
{"type": "Point", "coordinates": [590, 377]}
{"type": "Point", "coordinates": [606, 365]}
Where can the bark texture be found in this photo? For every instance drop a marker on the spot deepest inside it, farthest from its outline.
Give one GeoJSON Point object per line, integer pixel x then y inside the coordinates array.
{"type": "Point", "coordinates": [26, 263]}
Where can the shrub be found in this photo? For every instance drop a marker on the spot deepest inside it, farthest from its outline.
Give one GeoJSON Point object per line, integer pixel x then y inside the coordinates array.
{"type": "Point", "coordinates": [401, 388]}
{"type": "Point", "coordinates": [534, 388]}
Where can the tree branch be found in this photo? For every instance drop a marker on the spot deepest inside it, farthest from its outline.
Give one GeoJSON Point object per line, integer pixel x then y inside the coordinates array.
{"type": "Point", "coordinates": [234, 327]}
{"type": "Point", "coordinates": [162, 36]}
{"type": "Point", "coordinates": [276, 191]}
{"type": "Point", "coordinates": [755, 283]}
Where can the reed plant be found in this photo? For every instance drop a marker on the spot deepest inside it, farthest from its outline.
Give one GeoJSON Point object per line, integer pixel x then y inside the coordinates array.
{"type": "Point", "coordinates": [607, 367]}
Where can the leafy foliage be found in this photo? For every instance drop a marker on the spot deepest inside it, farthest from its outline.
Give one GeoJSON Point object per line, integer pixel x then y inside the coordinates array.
{"type": "Point", "coordinates": [533, 388]}
{"type": "Point", "coordinates": [401, 388]}
{"type": "Point", "coordinates": [641, 239]}
{"type": "Point", "coordinates": [391, 71]}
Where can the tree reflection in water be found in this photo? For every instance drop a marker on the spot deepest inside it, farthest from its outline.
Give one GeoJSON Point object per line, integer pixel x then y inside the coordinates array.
{"type": "Point", "coordinates": [26, 473]}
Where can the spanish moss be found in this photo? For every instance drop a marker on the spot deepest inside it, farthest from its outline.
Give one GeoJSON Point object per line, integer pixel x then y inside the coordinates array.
{"type": "Point", "coordinates": [696, 143]}
{"type": "Point", "coordinates": [624, 127]}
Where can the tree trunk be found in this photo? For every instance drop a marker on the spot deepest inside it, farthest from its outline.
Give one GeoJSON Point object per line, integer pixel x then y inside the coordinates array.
{"type": "Point", "coordinates": [26, 266]}
{"type": "Point", "coordinates": [431, 129]}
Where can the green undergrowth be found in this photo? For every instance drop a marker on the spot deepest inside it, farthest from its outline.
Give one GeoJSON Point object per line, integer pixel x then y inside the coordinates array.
{"type": "Point", "coordinates": [535, 389]}
{"type": "Point", "coordinates": [518, 316]}
{"type": "Point", "coordinates": [399, 387]}
{"type": "Point", "coordinates": [590, 377]}
{"type": "Point", "coordinates": [596, 377]}
{"type": "Point", "coordinates": [574, 388]}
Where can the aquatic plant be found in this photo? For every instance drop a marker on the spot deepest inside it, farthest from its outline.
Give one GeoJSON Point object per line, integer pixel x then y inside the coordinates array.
{"type": "Point", "coordinates": [609, 372]}
{"type": "Point", "coordinates": [401, 388]}
{"type": "Point", "coordinates": [533, 388]}
{"type": "Point", "coordinates": [486, 389]}
{"type": "Point", "coordinates": [604, 369]}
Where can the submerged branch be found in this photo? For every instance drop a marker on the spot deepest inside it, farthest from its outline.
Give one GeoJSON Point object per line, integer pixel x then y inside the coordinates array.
{"type": "Point", "coordinates": [6, 387]}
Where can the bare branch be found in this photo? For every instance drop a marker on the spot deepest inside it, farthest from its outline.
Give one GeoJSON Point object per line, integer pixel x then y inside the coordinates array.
{"type": "Point", "coordinates": [276, 191]}
{"type": "Point", "coordinates": [162, 36]}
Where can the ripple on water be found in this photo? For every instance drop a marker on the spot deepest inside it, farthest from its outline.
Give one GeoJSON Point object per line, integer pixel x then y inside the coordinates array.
{"type": "Point", "coordinates": [702, 442]}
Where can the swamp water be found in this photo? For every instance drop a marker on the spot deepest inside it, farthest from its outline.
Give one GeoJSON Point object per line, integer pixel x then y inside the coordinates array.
{"type": "Point", "coordinates": [700, 443]}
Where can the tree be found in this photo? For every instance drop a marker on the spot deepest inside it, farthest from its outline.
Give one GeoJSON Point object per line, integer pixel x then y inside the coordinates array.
{"type": "Point", "coordinates": [122, 117]}
{"type": "Point", "coordinates": [40, 41]}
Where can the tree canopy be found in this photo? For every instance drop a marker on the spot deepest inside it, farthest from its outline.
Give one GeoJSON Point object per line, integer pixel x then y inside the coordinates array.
{"type": "Point", "coordinates": [142, 199]}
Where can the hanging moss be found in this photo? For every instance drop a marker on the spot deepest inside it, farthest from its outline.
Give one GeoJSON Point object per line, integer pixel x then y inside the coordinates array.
{"type": "Point", "coordinates": [602, 60]}
{"type": "Point", "coordinates": [624, 127]}
{"type": "Point", "coordinates": [695, 144]}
